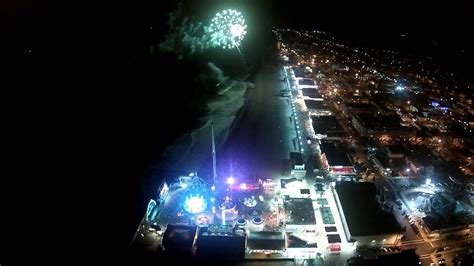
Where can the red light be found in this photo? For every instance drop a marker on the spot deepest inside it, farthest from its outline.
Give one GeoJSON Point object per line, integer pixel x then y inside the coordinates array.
{"type": "Point", "coordinates": [244, 186]}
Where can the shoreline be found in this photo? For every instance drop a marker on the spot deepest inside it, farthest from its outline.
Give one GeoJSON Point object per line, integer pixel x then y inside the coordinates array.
{"type": "Point", "coordinates": [187, 153]}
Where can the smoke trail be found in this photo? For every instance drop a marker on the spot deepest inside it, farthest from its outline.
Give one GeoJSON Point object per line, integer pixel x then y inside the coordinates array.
{"type": "Point", "coordinates": [217, 73]}
{"type": "Point", "coordinates": [185, 37]}
{"type": "Point", "coordinates": [224, 82]}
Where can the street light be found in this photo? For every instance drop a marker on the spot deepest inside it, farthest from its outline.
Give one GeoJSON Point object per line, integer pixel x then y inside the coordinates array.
{"type": "Point", "coordinates": [230, 180]}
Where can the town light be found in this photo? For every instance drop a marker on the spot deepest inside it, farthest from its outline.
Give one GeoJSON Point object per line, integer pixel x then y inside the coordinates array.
{"type": "Point", "coordinates": [230, 180]}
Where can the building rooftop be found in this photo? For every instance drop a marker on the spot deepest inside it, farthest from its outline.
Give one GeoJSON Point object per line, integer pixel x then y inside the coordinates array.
{"type": "Point", "coordinates": [447, 212]}
{"type": "Point", "coordinates": [286, 181]}
{"type": "Point", "coordinates": [434, 222]}
{"type": "Point", "coordinates": [296, 158]}
{"type": "Point", "coordinates": [384, 161]}
{"type": "Point", "coordinates": [316, 105]}
{"type": "Point", "coordinates": [179, 237]}
{"type": "Point", "coordinates": [395, 149]}
{"type": "Point", "coordinates": [217, 244]}
{"type": "Point", "coordinates": [421, 154]}
{"type": "Point", "coordinates": [311, 92]}
{"type": "Point", "coordinates": [406, 257]}
{"type": "Point", "coordinates": [372, 220]}
{"type": "Point", "coordinates": [326, 125]}
{"type": "Point", "coordinates": [459, 130]}
{"type": "Point", "coordinates": [427, 132]}
{"type": "Point", "coordinates": [380, 122]}
{"type": "Point", "coordinates": [299, 72]}
{"type": "Point", "coordinates": [380, 100]}
{"type": "Point", "coordinates": [307, 82]}
{"type": "Point", "coordinates": [266, 240]}
{"type": "Point", "coordinates": [295, 241]}
{"type": "Point", "coordinates": [336, 153]}
{"type": "Point", "coordinates": [300, 211]}
{"type": "Point", "coordinates": [367, 106]}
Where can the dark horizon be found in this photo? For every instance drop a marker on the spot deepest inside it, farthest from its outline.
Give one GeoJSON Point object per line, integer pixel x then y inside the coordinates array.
{"type": "Point", "coordinates": [439, 31]}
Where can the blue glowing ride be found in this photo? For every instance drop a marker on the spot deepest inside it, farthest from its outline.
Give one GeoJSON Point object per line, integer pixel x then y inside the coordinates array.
{"type": "Point", "coordinates": [195, 195]}
{"type": "Point", "coordinates": [195, 204]}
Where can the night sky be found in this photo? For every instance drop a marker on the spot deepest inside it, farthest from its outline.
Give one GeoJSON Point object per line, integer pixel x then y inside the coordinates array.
{"type": "Point", "coordinates": [89, 107]}
{"type": "Point", "coordinates": [124, 32]}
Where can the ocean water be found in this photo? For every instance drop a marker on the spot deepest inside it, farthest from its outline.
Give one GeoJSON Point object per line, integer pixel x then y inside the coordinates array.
{"type": "Point", "coordinates": [188, 152]}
